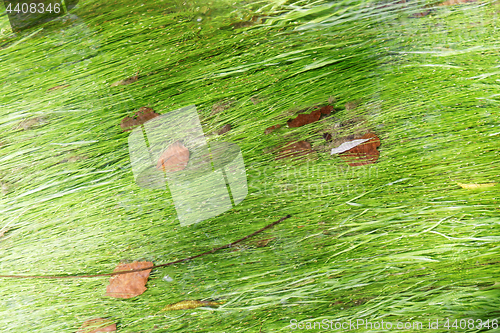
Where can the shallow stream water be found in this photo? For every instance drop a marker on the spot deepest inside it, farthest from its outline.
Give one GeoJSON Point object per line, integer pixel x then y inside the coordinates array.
{"type": "Point", "coordinates": [411, 238]}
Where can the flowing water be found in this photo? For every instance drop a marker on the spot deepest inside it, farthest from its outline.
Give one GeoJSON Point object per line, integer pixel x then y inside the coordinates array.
{"type": "Point", "coordinates": [410, 239]}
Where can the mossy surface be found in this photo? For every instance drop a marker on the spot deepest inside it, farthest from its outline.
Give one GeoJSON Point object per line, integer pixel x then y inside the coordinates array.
{"type": "Point", "coordinates": [398, 240]}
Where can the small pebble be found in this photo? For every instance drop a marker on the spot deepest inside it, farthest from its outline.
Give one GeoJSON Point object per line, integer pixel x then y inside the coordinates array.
{"type": "Point", "coordinates": [167, 278]}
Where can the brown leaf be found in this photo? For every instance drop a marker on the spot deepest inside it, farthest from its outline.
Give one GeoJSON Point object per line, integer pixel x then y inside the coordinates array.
{"type": "Point", "coordinates": [455, 2]}
{"type": "Point", "coordinates": [221, 106]}
{"type": "Point", "coordinates": [226, 128]}
{"type": "Point", "coordinates": [175, 158]}
{"type": "Point", "coordinates": [271, 129]}
{"type": "Point", "coordinates": [365, 153]}
{"type": "Point", "coordinates": [140, 117]}
{"type": "Point", "coordinates": [97, 325]}
{"type": "Point", "coordinates": [304, 119]}
{"type": "Point", "coordinates": [58, 87]}
{"type": "Point", "coordinates": [129, 285]}
{"type": "Point", "coordinates": [294, 149]}
{"type": "Point", "coordinates": [327, 137]}
{"type": "Point", "coordinates": [347, 145]}
{"type": "Point", "coordinates": [129, 80]}
{"type": "Point", "coordinates": [326, 110]}
{"type": "Point", "coordinates": [190, 304]}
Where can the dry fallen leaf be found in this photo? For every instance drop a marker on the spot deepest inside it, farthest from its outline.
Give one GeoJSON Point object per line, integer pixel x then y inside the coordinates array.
{"type": "Point", "coordinates": [221, 106]}
{"type": "Point", "coordinates": [476, 186]}
{"type": "Point", "coordinates": [304, 119]}
{"type": "Point", "coordinates": [129, 285]}
{"type": "Point", "coordinates": [271, 129]}
{"type": "Point", "coordinates": [226, 128]}
{"type": "Point", "coordinates": [140, 117]}
{"type": "Point", "coordinates": [326, 110]}
{"type": "Point", "coordinates": [294, 149]}
{"type": "Point", "coordinates": [365, 153]}
{"type": "Point", "coordinates": [97, 325]}
{"type": "Point", "coordinates": [347, 146]}
{"type": "Point", "coordinates": [192, 304]}
{"type": "Point", "coordinates": [129, 80]}
{"type": "Point", "coordinates": [175, 158]}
